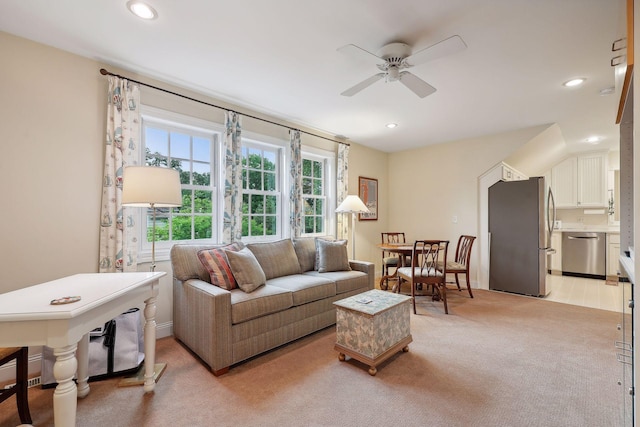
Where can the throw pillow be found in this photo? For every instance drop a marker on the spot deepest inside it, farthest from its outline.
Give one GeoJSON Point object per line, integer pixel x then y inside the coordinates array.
{"type": "Point", "coordinates": [246, 270]}
{"type": "Point", "coordinates": [317, 255]}
{"type": "Point", "coordinates": [332, 255]}
{"type": "Point", "coordinates": [277, 259]}
{"type": "Point", "coordinates": [215, 261]}
{"type": "Point", "coordinates": [305, 248]}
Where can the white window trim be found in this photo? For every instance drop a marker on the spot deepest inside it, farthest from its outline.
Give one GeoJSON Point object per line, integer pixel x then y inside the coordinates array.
{"type": "Point", "coordinates": [330, 182]}
{"type": "Point", "coordinates": [173, 119]}
{"type": "Point", "coordinates": [257, 140]}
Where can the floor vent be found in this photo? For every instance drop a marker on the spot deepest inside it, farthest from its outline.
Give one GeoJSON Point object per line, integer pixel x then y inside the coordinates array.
{"type": "Point", "coordinates": [31, 383]}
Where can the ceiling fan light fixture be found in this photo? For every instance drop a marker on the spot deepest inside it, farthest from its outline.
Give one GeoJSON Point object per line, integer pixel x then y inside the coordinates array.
{"type": "Point", "coordinates": [391, 125]}
{"type": "Point", "coordinates": [574, 82]}
{"type": "Point", "coordinates": [142, 10]}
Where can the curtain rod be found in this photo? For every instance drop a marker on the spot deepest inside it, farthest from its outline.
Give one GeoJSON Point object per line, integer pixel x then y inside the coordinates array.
{"type": "Point", "coordinates": [105, 73]}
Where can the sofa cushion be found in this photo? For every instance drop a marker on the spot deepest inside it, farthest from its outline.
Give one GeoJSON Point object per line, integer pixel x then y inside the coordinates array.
{"type": "Point", "coordinates": [276, 258]}
{"type": "Point", "coordinates": [264, 300]}
{"type": "Point", "coordinates": [246, 269]}
{"type": "Point", "coordinates": [215, 261]}
{"type": "Point", "coordinates": [346, 281]}
{"type": "Point", "coordinates": [305, 248]}
{"type": "Point", "coordinates": [186, 264]}
{"type": "Point", "coordinates": [332, 255]}
{"type": "Point", "coordinates": [305, 288]}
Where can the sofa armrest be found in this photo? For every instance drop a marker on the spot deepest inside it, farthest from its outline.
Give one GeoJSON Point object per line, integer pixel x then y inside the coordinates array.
{"type": "Point", "coordinates": [202, 321]}
{"type": "Point", "coordinates": [365, 267]}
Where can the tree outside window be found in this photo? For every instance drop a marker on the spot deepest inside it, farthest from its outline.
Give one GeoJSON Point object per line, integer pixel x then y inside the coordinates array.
{"type": "Point", "coordinates": [260, 191]}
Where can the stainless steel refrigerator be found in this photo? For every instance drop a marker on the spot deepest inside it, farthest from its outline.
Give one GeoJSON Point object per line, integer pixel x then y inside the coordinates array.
{"type": "Point", "coordinates": [521, 218]}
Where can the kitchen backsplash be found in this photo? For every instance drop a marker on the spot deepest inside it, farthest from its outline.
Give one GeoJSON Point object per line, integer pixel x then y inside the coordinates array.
{"type": "Point", "coordinates": [578, 217]}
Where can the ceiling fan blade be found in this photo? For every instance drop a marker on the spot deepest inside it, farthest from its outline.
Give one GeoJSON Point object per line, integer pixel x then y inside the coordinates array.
{"type": "Point", "coordinates": [416, 84]}
{"type": "Point", "coordinates": [445, 47]}
{"type": "Point", "coordinates": [358, 52]}
{"type": "Point", "coordinates": [362, 85]}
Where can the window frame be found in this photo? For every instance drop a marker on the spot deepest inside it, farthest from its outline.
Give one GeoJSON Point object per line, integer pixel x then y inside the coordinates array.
{"type": "Point", "coordinates": [194, 127]}
{"type": "Point", "coordinates": [328, 159]}
{"type": "Point", "coordinates": [264, 142]}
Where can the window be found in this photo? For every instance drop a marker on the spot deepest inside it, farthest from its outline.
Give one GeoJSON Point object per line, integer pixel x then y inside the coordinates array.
{"type": "Point", "coordinates": [261, 195]}
{"type": "Point", "coordinates": [313, 198]}
{"type": "Point", "coordinates": [317, 186]}
{"type": "Point", "coordinates": [171, 140]}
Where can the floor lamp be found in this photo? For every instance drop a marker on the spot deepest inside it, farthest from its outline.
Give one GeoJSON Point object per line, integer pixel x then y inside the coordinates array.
{"type": "Point", "coordinates": [150, 187]}
{"type": "Point", "coordinates": [353, 205]}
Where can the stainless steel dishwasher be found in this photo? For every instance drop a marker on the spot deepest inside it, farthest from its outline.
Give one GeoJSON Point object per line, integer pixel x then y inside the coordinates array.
{"type": "Point", "coordinates": [584, 253]}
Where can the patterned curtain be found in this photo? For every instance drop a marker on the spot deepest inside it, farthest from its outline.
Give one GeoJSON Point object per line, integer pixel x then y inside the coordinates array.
{"type": "Point", "coordinates": [295, 191]}
{"type": "Point", "coordinates": [342, 190]}
{"type": "Point", "coordinates": [232, 223]}
{"type": "Point", "coordinates": [118, 235]}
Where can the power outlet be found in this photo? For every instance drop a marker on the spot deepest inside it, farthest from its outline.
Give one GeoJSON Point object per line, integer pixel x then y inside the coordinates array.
{"type": "Point", "coordinates": [454, 219]}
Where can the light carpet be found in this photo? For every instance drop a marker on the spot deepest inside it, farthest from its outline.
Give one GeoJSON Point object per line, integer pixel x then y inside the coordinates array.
{"type": "Point", "coordinates": [496, 360]}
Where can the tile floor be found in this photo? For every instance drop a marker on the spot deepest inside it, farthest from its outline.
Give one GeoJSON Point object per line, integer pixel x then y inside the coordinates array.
{"type": "Point", "coordinates": [586, 292]}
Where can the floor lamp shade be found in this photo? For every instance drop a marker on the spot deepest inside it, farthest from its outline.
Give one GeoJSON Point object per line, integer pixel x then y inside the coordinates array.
{"type": "Point", "coordinates": [352, 204]}
{"type": "Point", "coordinates": [150, 186]}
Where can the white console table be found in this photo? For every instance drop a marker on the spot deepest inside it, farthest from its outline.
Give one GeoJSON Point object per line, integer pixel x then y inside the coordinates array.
{"type": "Point", "coordinates": [27, 318]}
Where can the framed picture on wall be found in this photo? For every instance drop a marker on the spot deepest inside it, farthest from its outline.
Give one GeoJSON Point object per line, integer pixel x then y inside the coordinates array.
{"type": "Point", "coordinates": [368, 192]}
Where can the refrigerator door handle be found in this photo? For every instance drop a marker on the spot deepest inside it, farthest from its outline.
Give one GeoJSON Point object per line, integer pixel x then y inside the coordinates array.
{"type": "Point", "coordinates": [551, 203]}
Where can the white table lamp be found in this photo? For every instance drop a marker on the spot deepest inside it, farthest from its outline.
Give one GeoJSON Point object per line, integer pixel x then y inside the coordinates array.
{"type": "Point", "coordinates": [151, 187]}
{"type": "Point", "coordinates": [352, 204]}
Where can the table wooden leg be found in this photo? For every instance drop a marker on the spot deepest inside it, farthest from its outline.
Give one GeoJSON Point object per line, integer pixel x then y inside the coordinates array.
{"type": "Point", "coordinates": [65, 397]}
{"type": "Point", "coordinates": [149, 344]}
{"type": "Point", "coordinates": [82, 354]}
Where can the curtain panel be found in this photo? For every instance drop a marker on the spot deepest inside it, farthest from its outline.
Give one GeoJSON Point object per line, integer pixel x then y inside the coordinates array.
{"type": "Point", "coordinates": [118, 233]}
{"type": "Point", "coordinates": [232, 222]}
{"type": "Point", "coordinates": [342, 182]}
{"type": "Point", "coordinates": [295, 191]}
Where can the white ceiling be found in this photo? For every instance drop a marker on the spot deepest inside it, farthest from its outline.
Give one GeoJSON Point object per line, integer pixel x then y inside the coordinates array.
{"type": "Point", "coordinates": [280, 57]}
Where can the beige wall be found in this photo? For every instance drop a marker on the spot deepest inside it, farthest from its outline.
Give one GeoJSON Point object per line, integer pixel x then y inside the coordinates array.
{"type": "Point", "coordinates": [430, 186]}
{"type": "Point", "coordinates": [370, 163]}
{"type": "Point", "coordinates": [52, 114]}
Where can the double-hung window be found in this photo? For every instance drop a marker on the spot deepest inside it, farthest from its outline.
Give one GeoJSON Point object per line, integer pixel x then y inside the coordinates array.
{"type": "Point", "coordinates": [261, 191]}
{"type": "Point", "coordinates": [317, 192]}
{"type": "Point", "coordinates": [190, 147]}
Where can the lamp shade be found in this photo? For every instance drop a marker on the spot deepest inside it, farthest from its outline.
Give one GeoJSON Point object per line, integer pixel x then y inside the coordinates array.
{"type": "Point", "coordinates": [352, 204]}
{"type": "Point", "coordinates": [145, 186]}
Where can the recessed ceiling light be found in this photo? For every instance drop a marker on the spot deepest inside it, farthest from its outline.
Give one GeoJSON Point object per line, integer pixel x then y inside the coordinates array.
{"type": "Point", "coordinates": [391, 125]}
{"type": "Point", "coordinates": [142, 10]}
{"type": "Point", "coordinates": [607, 91]}
{"type": "Point", "coordinates": [592, 140]}
{"type": "Point", "coordinates": [574, 82]}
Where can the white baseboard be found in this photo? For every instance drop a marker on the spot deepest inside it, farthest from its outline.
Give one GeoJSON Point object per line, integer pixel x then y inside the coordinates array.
{"type": "Point", "coordinates": [8, 371]}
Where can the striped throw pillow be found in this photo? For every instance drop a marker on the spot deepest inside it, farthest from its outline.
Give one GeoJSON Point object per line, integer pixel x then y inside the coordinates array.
{"type": "Point", "coordinates": [215, 261]}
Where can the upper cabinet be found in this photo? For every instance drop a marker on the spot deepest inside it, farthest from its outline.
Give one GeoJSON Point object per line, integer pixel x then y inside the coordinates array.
{"type": "Point", "coordinates": [564, 183]}
{"type": "Point", "coordinates": [580, 181]}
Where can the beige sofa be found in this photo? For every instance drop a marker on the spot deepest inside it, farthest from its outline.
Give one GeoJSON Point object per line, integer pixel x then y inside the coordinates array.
{"type": "Point", "coordinates": [224, 327]}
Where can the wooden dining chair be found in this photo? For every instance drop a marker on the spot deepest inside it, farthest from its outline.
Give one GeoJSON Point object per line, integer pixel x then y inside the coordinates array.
{"type": "Point", "coordinates": [389, 259]}
{"type": "Point", "coordinates": [460, 264]}
{"type": "Point", "coordinates": [427, 267]}
{"type": "Point", "coordinates": [21, 356]}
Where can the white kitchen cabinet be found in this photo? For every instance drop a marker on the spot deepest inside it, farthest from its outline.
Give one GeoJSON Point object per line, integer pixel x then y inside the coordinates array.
{"type": "Point", "coordinates": [580, 181]}
{"type": "Point", "coordinates": [564, 177]}
{"type": "Point", "coordinates": [613, 255]}
{"type": "Point", "coordinates": [556, 259]}
{"type": "Point", "coordinates": [511, 174]}
{"type": "Point", "coordinates": [592, 180]}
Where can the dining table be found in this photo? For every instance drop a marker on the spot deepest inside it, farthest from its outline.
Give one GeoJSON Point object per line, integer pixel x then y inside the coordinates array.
{"type": "Point", "coordinates": [404, 251]}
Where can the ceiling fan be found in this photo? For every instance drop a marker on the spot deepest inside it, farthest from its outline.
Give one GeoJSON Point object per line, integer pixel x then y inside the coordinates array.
{"type": "Point", "coordinates": [394, 58]}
